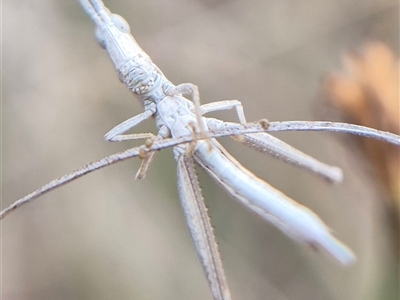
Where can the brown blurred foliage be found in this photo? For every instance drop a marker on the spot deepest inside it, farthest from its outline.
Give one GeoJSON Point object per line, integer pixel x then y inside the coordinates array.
{"type": "Point", "coordinates": [366, 92]}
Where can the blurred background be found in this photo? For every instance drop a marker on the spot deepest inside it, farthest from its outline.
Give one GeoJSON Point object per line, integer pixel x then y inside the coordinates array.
{"type": "Point", "coordinates": [107, 236]}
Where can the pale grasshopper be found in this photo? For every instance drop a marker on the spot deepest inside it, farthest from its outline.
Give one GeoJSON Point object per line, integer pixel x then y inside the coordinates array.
{"type": "Point", "coordinates": [184, 156]}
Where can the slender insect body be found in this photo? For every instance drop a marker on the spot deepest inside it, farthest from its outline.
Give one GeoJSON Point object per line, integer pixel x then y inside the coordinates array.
{"type": "Point", "coordinates": [175, 113]}
{"type": "Point", "coordinates": [176, 117]}
{"type": "Point", "coordinates": [272, 205]}
{"type": "Point", "coordinates": [141, 76]}
{"type": "Point", "coordinates": [292, 218]}
{"type": "Point", "coordinates": [179, 119]}
{"type": "Point", "coordinates": [113, 34]}
{"type": "Point", "coordinates": [134, 66]}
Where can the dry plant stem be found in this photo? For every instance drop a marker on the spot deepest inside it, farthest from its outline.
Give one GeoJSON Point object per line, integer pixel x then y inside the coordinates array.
{"type": "Point", "coordinates": [335, 127]}
{"type": "Point", "coordinates": [159, 145]}
{"type": "Point", "coordinates": [121, 156]}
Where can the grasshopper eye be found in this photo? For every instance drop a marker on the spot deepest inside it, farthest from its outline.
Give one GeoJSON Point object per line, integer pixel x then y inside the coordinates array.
{"type": "Point", "coordinates": [120, 23]}
{"type": "Point", "coordinates": [100, 38]}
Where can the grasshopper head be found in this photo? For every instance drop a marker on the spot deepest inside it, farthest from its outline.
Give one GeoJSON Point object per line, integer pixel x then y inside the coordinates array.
{"type": "Point", "coordinates": [114, 36]}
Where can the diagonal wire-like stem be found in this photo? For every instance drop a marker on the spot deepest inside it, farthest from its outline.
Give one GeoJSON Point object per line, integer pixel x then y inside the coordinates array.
{"type": "Point", "coordinates": [121, 156]}
{"type": "Point", "coordinates": [334, 127]}
{"type": "Point", "coordinates": [261, 126]}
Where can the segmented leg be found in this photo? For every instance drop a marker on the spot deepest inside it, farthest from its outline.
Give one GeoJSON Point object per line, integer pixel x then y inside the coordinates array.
{"type": "Point", "coordinates": [225, 105]}
{"type": "Point", "coordinates": [147, 159]}
{"type": "Point", "coordinates": [266, 143]}
{"type": "Point", "coordinates": [269, 144]}
{"type": "Point", "coordinates": [116, 134]}
{"type": "Point", "coordinates": [200, 227]}
{"type": "Point", "coordinates": [193, 90]}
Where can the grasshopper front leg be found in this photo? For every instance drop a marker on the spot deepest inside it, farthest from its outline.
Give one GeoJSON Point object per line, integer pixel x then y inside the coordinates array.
{"type": "Point", "coordinates": [117, 133]}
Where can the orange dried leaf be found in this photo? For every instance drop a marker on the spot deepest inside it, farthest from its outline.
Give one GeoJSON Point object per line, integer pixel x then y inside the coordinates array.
{"type": "Point", "coordinates": [367, 93]}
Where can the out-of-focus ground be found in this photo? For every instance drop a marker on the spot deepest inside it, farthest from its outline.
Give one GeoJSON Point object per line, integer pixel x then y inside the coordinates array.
{"type": "Point", "coordinates": [107, 236]}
